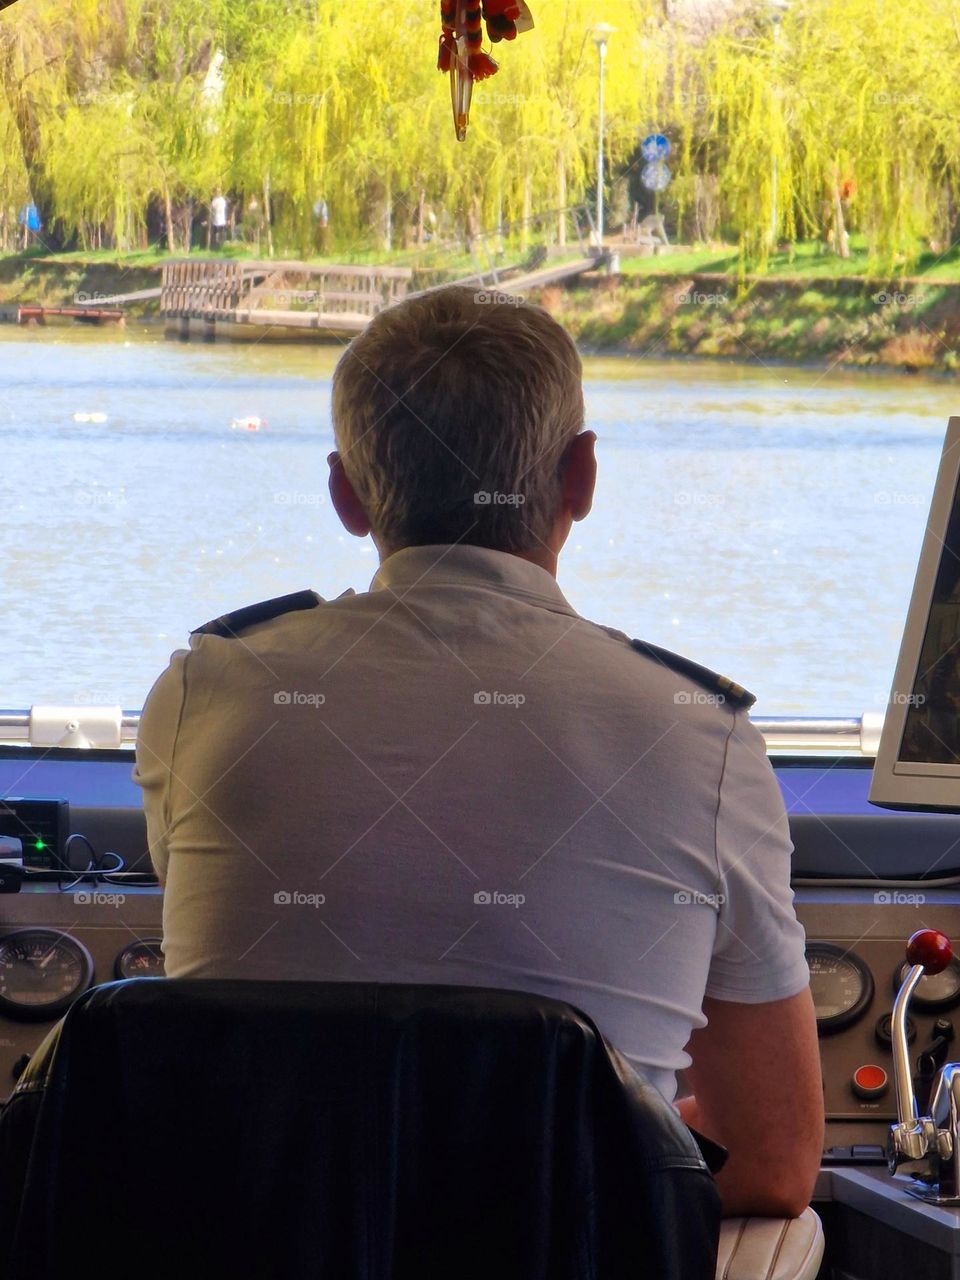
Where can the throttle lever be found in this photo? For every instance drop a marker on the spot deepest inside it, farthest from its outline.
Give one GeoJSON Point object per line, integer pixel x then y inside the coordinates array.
{"type": "Point", "coordinates": [925, 1141]}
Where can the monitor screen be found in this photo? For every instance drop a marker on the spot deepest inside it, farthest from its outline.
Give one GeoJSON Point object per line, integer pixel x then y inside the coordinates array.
{"type": "Point", "coordinates": [918, 763]}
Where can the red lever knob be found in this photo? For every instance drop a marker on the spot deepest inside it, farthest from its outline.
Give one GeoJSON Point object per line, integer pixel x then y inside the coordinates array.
{"type": "Point", "coordinates": [930, 948]}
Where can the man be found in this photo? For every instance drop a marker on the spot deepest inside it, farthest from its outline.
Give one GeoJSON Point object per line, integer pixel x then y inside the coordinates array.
{"type": "Point", "coordinates": [454, 778]}
{"type": "Point", "coordinates": [218, 217]}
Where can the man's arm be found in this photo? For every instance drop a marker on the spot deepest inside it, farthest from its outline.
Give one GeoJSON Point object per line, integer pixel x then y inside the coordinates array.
{"type": "Point", "coordinates": [153, 771]}
{"type": "Point", "coordinates": [757, 1089]}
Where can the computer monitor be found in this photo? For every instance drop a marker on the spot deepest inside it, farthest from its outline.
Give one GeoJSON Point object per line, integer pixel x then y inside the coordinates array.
{"type": "Point", "coordinates": [918, 763]}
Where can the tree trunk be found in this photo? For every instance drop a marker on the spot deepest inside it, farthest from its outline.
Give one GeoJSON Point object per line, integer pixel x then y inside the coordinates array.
{"type": "Point", "coordinates": [169, 229]}
{"type": "Point", "coordinates": [27, 124]}
{"type": "Point", "coordinates": [388, 214]}
{"type": "Point", "coordinates": [527, 208]}
{"type": "Point", "coordinates": [562, 200]}
{"type": "Point", "coordinates": [267, 214]}
{"type": "Point", "coordinates": [841, 242]}
{"type": "Point", "coordinates": [421, 229]}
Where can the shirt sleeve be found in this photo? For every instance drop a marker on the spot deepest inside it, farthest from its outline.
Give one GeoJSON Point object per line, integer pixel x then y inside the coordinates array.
{"type": "Point", "coordinates": [758, 952]}
{"type": "Point", "coordinates": [154, 768]}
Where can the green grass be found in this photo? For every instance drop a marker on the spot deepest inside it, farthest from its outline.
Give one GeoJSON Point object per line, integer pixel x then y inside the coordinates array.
{"type": "Point", "coordinates": [805, 261]}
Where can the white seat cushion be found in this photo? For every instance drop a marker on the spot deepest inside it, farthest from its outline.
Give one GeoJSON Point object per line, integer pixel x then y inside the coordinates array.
{"type": "Point", "coordinates": [770, 1248]}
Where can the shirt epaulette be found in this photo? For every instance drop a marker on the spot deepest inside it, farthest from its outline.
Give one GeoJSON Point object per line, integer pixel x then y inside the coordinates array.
{"type": "Point", "coordinates": [731, 692]}
{"type": "Point", "coordinates": [231, 624]}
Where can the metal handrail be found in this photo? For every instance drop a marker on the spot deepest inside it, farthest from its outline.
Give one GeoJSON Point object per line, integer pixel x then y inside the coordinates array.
{"type": "Point", "coordinates": [857, 735]}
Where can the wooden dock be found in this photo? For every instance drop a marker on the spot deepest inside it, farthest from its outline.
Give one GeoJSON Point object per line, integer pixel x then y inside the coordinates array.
{"type": "Point", "coordinates": [216, 297]}
{"type": "Point", "coordinates": [204, 294]}
{"type": "Point", "coordinates": [86, 314]}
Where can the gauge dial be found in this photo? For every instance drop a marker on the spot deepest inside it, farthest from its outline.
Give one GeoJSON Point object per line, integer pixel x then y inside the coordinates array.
{"type": "Point", "coordinates": [841, 984]}
{"type": "Point", "coordinates": [142, 959]}
{"type": "Point", "coordinates": [41, 973]}
{"type": "Point", "coordinates": [934, 991]}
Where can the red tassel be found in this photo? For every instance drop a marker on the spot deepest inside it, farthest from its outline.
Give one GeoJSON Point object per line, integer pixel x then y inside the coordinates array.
{"type": "Point", "coordinates": [445, 56]}
{"type": "Point", "coordinates": [500, 28]}
{"type": "Point", "coordinates": [482, 66]}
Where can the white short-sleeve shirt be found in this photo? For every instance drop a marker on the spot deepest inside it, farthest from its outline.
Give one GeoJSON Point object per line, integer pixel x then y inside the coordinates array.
{"type": "Point", "coordinates": [455, 778]}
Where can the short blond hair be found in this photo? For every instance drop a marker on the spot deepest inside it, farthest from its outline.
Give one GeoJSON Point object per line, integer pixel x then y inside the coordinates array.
{"type": "Point", "coordinates": [452, 412]}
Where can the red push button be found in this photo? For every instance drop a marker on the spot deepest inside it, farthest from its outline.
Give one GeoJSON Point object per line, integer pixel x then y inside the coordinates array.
{"type": "Point", "coordinates": [869, 1081]}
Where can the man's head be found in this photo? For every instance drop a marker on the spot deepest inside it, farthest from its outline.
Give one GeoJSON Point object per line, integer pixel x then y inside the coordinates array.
{"type": "Point", "coordinates": [458, 419]}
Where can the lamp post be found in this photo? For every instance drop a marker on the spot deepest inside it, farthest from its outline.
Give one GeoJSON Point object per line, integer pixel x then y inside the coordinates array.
{"type": "Point", "coordinates": [601, 35]}
{"type": "Point", "coordinates": [777, 9]}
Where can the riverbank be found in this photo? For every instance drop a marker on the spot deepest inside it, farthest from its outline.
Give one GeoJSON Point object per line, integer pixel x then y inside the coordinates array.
{"type": "Point", "coordinates": [911, 325]}
{"type": "Point", "coordinates": [62, 282]}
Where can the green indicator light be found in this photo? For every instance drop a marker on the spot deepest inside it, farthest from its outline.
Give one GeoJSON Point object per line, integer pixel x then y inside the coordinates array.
{"type": "Point", "coordinates": [40, 844]}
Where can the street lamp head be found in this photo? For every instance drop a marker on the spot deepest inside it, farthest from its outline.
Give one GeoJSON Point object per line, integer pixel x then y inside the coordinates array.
{"type": "Point", "coordinates": [601, 33]}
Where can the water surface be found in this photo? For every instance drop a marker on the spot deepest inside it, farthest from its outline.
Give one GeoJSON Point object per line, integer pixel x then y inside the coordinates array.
{"type": "Point", "coordinates": [765, 521]}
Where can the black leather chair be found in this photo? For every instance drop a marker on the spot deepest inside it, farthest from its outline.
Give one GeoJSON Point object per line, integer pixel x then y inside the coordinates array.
{"type": "Point", "coordinates": [346, 1131]}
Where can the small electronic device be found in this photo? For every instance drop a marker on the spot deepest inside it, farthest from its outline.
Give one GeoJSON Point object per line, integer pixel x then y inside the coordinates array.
{"type": "Point", "coordinates": [41, 826]}
{"type": "Point", "coordinates": [918, 761]}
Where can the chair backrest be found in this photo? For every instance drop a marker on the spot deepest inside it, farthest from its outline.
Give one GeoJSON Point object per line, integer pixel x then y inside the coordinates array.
{"type": "Point", "coordinates": [344, 1131]}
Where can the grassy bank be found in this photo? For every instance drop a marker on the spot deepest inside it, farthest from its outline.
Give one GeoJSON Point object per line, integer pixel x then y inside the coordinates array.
{"type": "Point", "coordinates": [859, 322]}
{"type": "Point", "coordinates": [655, 306]}
{"type": "Point", "coordinates": [59, 281]}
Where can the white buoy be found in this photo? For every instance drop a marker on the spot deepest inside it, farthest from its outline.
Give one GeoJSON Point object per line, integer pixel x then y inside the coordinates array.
{"type": "Point", "coordinates": [248, 423]}
{"type": "Point", "coordinates": [81, 416]}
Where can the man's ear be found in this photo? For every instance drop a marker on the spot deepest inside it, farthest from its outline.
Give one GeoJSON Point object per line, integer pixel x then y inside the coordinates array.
{"type": "Point", "coordinates": [345, 501]}
{"type": "Point", "coordinates": [580, 474]}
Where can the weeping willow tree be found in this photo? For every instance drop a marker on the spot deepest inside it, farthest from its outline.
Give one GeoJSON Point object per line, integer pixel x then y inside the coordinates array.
{"type": "Point", "coordinates": [817, 118]}
{"type": "Point", "coordinates": [801, 119]}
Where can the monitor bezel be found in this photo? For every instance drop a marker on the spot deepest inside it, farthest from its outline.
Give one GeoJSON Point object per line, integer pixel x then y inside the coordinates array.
{"type": "Point", "coordinates": [913, 784]}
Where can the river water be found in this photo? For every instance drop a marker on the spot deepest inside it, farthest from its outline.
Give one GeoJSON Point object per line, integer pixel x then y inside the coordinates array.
{"type": "Point", "coordinates": [764, 521]}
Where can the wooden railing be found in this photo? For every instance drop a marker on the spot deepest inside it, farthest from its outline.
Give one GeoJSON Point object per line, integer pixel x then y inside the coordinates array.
{"type": "Point", "coordinates": [298, 293]}
{"type": "Point", "coordinates": [202, 289]}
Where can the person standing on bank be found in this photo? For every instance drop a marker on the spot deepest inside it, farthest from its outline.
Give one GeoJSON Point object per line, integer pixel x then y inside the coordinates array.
{"type": "Point", "coordinates": [218, 216]}
{"type": "Point", "coordinates": [453, 777]}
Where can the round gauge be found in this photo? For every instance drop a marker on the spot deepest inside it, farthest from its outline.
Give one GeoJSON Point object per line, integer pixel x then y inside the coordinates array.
{"type": "Point", "coordinates": [142, 959]}
{"type": "Point", "coordinates": [41, 973]}
{"type": "Point", "coordinates": [934, 991]}
{"type": "Point", "coordinates": [841, 984]}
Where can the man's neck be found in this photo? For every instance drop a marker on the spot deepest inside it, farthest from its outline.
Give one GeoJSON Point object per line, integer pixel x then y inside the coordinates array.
{"type": "Point", "coordinates": [543, 557]}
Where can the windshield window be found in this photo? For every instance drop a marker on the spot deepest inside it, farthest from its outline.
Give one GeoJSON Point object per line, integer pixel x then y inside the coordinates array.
{"type": "Point", "coordinates": [763, 298]}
